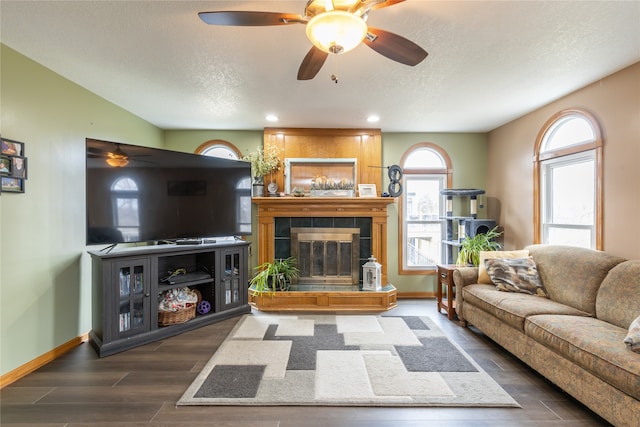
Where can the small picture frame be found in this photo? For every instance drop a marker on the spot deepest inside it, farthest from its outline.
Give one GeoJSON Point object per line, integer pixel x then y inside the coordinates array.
{"type": "Point", "coordinates": [367, 190]}
{"type": "Point", "coordinates": [12, 148]}
{"type": "Point", "coordinates": [12, 185]}
{"type": "Point", "coordinates": [5, 165]}
{"type": "Point", "coordinates": [19, 167]}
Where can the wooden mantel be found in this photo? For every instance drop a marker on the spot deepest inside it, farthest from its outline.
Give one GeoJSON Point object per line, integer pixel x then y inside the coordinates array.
{"type": "Point", "coordinates": [375, 208]}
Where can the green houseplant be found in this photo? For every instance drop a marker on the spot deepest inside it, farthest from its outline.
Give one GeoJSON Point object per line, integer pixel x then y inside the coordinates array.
{"type": "Point", "coordinates": [274, 276]}
{"type": "Point", "coordinates": [470, 247]}
{"type": "Point", "coordinates": [263, 162]}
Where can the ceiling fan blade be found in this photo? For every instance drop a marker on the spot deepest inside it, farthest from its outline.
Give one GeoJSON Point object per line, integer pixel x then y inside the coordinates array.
{"type": "Point", "coordinates": [386, 3]}
{"type": "Point", "coordinates": [312, 63]}
{"type": "Point", "coordinates": [394, 47]}
{"type": "Point", "coordinates": [251, 19]}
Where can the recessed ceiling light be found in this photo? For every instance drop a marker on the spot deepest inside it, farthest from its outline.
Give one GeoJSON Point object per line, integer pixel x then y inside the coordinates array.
{"type": "Point", "coordinates": [271, 118]}
{"type": "Point", "coordinates": [373, 118]}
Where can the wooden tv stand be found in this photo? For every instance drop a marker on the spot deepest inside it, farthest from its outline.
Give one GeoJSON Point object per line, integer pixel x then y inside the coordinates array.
{"type": "Point", "coordinates": [126, 284]}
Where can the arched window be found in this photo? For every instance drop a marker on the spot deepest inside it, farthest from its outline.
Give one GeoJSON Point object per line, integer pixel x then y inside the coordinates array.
{"type": "Point", "coordinates": [568, 181]}
{"type": "Point", "coordinates": [124, 193]}
{"type": "Point", "coordinates": [426, 170]}
{"type": "Point", "coordinates": [219, 148]}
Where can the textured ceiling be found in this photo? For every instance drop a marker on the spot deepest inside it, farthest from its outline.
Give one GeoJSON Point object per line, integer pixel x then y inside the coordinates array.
{"type": "Point", "coordinates": [489, 61]}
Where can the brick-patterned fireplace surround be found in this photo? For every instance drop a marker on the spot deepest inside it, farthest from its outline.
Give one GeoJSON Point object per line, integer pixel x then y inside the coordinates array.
{"type": "Point", "coordinates": [277, 215]}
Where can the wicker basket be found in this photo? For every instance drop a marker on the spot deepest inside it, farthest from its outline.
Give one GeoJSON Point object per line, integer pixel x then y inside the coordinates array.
{"type": "Point", "coordinates": [167, 318]}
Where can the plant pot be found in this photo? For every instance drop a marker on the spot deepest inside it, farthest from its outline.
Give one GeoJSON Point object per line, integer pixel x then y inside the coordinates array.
{"type": "Point", "coordinates": [281, 284]}
{"type": "Point", "coordinates": [258, 186]}
{"type": "Point", "coordinates": [332, 193]}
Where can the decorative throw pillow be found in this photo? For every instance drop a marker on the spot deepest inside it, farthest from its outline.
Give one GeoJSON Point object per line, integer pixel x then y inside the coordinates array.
{"type": "Point", "coordinates": [483, 277]}
{"type": "Point", "coordinates": [632, 339]}
{"type": "Point", "coordinates": [516, 275]}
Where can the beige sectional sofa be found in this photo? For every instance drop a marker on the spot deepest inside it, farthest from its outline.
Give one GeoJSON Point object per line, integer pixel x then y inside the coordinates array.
{"type": "Point", "coordinates": [575, 337]}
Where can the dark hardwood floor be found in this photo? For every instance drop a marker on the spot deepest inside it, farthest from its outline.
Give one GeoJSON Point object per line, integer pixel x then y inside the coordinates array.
{"type": "Point", "coordinates": [141, 386]}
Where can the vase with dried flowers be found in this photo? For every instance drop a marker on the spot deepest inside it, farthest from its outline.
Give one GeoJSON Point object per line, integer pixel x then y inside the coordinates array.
{"type": "Point", "coordinates": [263, 162]}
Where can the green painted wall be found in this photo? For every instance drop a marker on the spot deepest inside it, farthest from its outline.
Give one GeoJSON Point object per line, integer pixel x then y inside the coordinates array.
{"type": "Point", "coordinates": [189, 140]}
{"type": "Point", "coordinates": [45, 296]}
{"type": "Point", "coordinates": [468, 153]}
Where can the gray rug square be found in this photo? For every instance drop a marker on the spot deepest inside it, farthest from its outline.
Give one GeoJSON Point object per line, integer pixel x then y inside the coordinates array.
{"type": "Point", "coordinates": [232, 381]}
{"type": "Point", "coordinates": [342, 360]}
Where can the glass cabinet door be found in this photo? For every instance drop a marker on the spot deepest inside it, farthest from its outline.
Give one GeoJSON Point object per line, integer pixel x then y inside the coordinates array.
{"type": "Point", "coordinates": [133, 298]}
{"type": "Point", "coordinates": [231, 280]}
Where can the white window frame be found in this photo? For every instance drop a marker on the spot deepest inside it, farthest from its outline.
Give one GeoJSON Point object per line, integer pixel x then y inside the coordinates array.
{"type": "Point", "coordinates": [444, 174]}
{"type": "Point", "coordinates": [441, 178]}
{"type": "Point", "coordinates": [567, 151]}
{"type": "Point", "coordinates": [547, 221]}
{"type": "Point", "coordinates": [215, 147]}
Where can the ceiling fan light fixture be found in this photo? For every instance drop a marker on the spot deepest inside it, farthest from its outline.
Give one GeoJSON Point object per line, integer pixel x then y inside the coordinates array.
{"type": "Point", "coordinates": [336, 31]}
{"type": "Point", "coordinates": [117, 162]}
{"type": "Point", "coordinates": [117, 159]}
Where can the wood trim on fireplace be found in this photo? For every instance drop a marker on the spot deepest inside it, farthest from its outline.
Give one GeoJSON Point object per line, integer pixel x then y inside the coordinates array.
{"type": "Point", "coordinates": [270, 208]}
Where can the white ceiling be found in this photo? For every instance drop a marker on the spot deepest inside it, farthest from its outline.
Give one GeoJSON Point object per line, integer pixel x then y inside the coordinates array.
{"type": "Point", "coordinates": [489, 61]}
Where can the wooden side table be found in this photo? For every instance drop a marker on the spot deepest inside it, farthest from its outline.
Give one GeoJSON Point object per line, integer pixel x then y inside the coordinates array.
{"type": "Point", "coordinates": [444, 290]}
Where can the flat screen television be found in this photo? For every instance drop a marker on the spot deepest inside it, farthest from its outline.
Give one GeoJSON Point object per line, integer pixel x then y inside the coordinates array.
{"type": "Point", "coordinates": [143, 194]}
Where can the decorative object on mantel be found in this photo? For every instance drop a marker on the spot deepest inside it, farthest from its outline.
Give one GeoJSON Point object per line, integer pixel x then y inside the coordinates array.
{"type": "Point", "coordinates": [395, 176]}
{"type": "Point", "coordinates": [367, 190]}
{"type": "Point", "coordinates": [297, 192]}
{"type": "Point", "coordinates": [372, 275]}
{"type": "Point", "coordinates": [321, 186]}
{"type": "Point", "coordinates": [13, 166]}
{"type": "Point", "coordinates": [320, 174]}
{"type": "Point", "coordinates": [263, 162]}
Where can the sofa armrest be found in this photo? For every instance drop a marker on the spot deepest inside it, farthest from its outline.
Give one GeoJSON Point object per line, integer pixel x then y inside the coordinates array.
{"type": "Point", "coordinates": [463, 276]}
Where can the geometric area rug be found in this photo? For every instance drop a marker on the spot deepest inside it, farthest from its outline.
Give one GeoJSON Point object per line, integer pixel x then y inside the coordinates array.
{"type": "Point", "coordinates": [342, 360]}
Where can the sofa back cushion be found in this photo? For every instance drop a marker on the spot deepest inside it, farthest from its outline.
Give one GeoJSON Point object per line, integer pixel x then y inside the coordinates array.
{"type": "Point", "coordinates": [618, 299]}
{"type": "Point", "coordinates": [573, 275]}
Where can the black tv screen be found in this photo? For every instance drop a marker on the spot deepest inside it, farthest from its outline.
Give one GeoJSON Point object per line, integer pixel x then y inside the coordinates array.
{"type": "Point", "coordinates": [142, 194]}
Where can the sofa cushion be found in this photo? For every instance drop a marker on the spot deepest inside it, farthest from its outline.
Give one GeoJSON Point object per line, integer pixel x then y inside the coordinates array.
{"type": "Point", "coordinates": [513, 308]}
{"type": "Point", "coordinates": [483, 276]}
{"type": "Point", "coordinates": [515, 275]}
{"type": "Point", "coordinates": [572, 275]}
{"type": "Point", "coordinates": [618, 299]}
{"type": "Point", "coordinates": [594, 345]}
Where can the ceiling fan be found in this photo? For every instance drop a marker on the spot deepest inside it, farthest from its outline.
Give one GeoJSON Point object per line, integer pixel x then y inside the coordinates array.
{"type": "Point", "coordinates": [334, 27]}
{"type": "Point", "coordinates": [114, 158]}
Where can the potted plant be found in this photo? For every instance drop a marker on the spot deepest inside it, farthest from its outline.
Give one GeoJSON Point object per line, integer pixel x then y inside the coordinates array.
{"type": "Point", "coordinates": [263, 162]}
{"type": "Point", "coordinates": [274, 276]}
{"type": "Point", "coordinates": [470, 247]}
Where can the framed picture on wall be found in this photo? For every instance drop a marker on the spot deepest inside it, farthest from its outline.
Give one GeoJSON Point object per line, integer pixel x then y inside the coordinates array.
{"type": "Point", "coordinates": [19, 167]}
{"type": "Point", "coordinates": [13, 166]}
{"type": "Point", "coordinates": [367, 190]}
{"type": "Point", "coordinates": [12, 185]}
{"type": "Point", "coordinates": [5, 165]}
{"type": "Point", "coordinates": [12, 148]}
